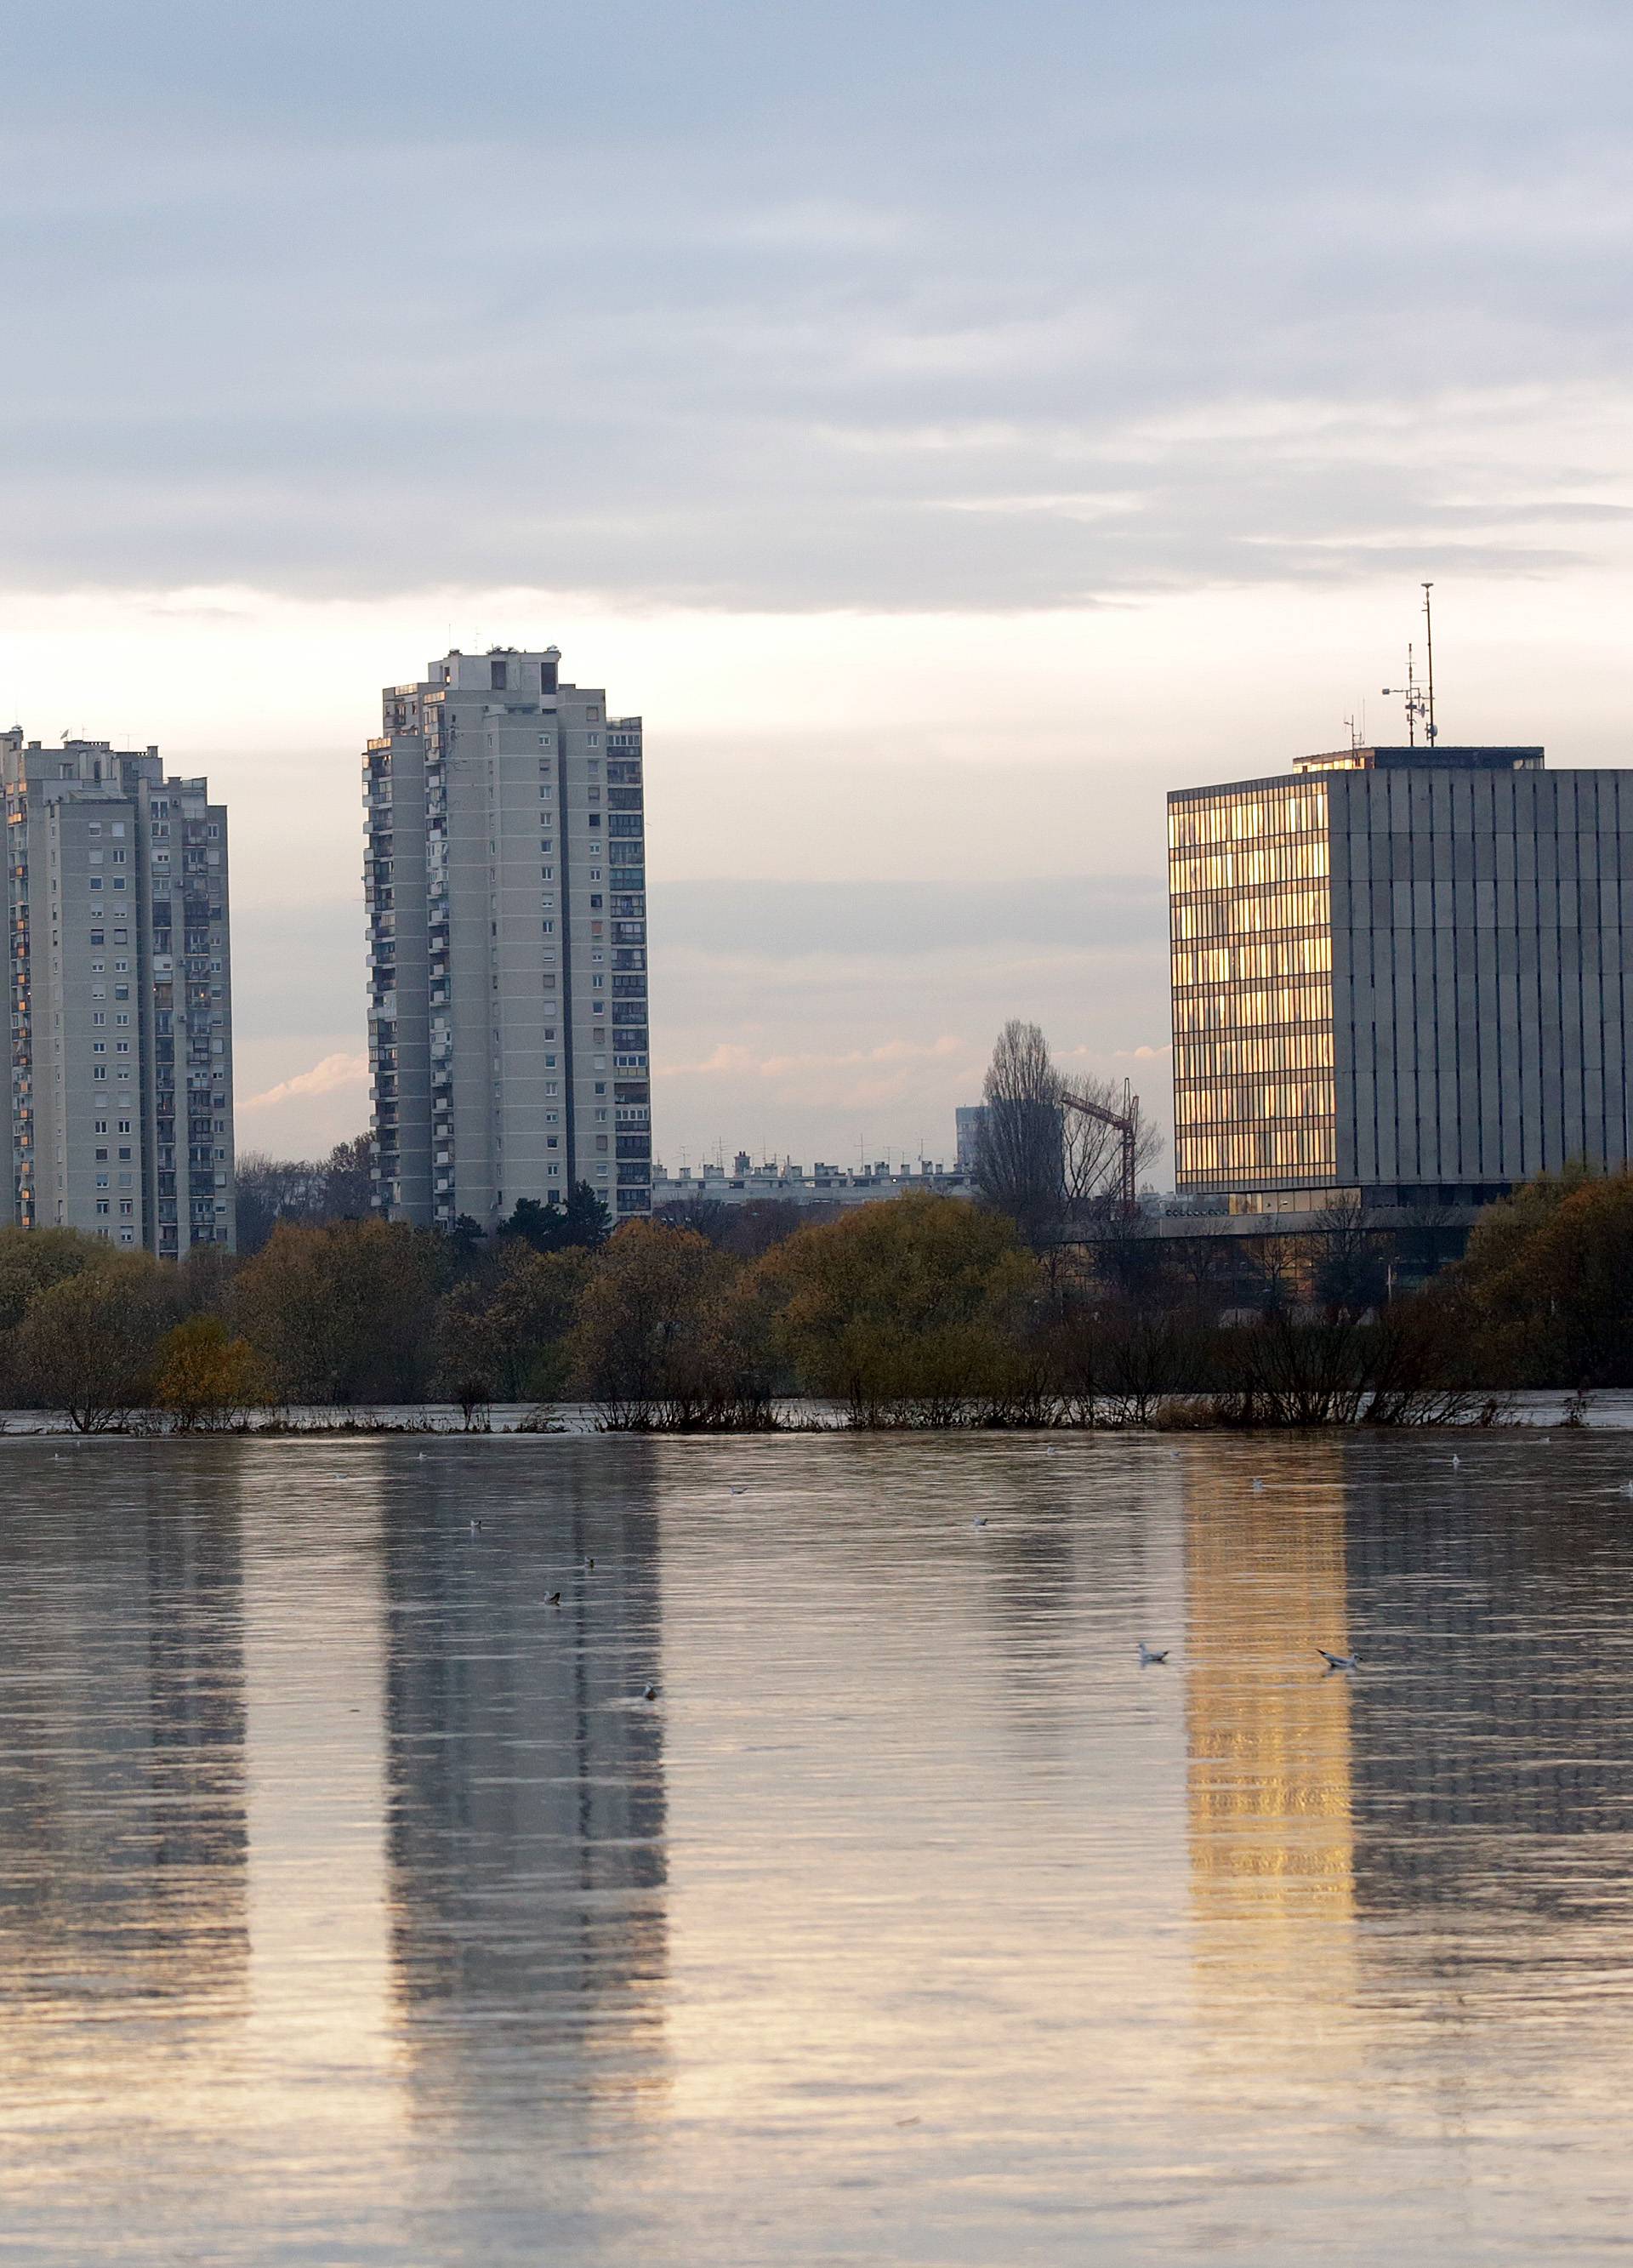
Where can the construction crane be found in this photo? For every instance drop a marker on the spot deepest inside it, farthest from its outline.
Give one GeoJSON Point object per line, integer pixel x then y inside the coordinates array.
{"type": "Point", "coordinates": [1123, 1122]}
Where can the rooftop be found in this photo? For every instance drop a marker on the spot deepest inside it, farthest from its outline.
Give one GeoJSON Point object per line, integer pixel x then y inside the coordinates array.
{"type": "Point", "coordinates": [1443, 758]}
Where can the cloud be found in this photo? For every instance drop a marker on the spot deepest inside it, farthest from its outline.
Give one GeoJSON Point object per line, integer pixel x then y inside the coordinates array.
{"type": "Point", "coordinates": [780, 291]}
{"type": "Point", "coordinates": [335, 1074]}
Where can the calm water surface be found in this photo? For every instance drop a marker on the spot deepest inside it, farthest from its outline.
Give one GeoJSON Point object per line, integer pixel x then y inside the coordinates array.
{"type": "Point", "coordinates": [355, 1908]}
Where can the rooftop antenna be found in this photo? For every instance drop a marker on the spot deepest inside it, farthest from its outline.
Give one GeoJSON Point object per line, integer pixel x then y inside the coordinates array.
{"type": "Point", "coordinates": [1416, 705]}
{"type": "Point", "coordinates": [1429, 641]}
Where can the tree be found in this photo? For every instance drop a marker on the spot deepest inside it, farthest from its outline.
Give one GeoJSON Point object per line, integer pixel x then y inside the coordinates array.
{"type": "Point", "coordinates": [1548, 1278]}
{"type": "Point", "coordinates": [345, 1312]}
{"type": "Point", "coordinates": [86, 1345]}
{"type": "Point", "coordinates": [205, 1377]}
{"type": "Point", "coordinates": [584, 1221]}
{"type": "Point", "coordinates": [33, 1259]}
{"type": "Point", "coordinates": [665, 1338]}
{"type": "Point", "coordinates": [1019, 1163]}
{"type": "Point", "coordinates": [913, 1308]}
{"type": "Point", "coordinates": [503, 1335]}
{"type": "Point", "coordinates": [302, 1190]}
{"type": "Point", "coordinates": [1092, 1149]}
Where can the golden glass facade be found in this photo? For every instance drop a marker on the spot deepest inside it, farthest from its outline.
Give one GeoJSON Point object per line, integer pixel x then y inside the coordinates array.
{"type": "Point", "coordinates": [1250, 923]}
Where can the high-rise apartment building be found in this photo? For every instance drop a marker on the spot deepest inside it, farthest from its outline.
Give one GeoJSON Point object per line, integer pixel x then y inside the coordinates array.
{"type": "Point", "coordinates": [1403, 975]}
{"type": "Point", "coordinates": [119, 977]}
{"type": "Point", "coordinates": [506, 887]}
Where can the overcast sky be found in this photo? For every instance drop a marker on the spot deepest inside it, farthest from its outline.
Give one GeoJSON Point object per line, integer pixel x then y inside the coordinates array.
{"type": "Point", "coordinates": [948, 425]}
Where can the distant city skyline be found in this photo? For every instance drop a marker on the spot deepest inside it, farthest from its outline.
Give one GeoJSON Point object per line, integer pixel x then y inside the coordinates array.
{"type": "Point", "coordinates": [938, 516]}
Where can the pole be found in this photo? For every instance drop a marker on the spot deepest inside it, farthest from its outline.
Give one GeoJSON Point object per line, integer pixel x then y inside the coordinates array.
{"type": "Point", "coordinates": [1429, 635]}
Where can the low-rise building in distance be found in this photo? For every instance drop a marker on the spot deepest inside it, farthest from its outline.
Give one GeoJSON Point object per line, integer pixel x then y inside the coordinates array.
{"type": "Point", "coordinates": [817, 1186]}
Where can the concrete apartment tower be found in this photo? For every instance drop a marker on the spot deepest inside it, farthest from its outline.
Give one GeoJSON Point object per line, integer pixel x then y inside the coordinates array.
{"type": "Point", "coordinates": [506, 885]}
{"type": "Point", "coordinates": [1403, 977]}
{"type": "Point", "coordinates": [119, 1115]}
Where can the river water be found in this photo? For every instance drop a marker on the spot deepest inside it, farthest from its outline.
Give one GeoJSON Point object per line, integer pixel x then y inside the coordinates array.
{"type": "Point", "coordinates": [356, 1907]}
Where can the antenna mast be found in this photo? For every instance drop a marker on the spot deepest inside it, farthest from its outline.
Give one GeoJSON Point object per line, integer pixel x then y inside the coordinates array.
{"type": "Point", "coordinates": [1428, 639]}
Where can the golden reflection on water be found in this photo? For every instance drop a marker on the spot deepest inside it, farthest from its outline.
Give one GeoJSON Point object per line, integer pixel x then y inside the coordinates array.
{"type": "Point", "coordinates": [355, 1907]}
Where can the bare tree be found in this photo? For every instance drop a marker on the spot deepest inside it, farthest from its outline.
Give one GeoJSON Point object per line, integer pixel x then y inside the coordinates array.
{"type": "Point", "coordinates": [1019, 1165]}
{"type": "Point", "coordinates": [1092, 1145]}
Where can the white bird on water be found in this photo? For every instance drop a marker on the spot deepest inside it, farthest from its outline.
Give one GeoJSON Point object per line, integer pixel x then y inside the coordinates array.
{"type": "Point", "coordinates": [978, 1522]}
{"type": "Point", "coordinates": [1148, 1659]}
{"type": "Point", "coordinates": [1338, 1661]}
{"type": "Point", "coordinates": [1456, 1461]}
{"type": "Point", "coordinates": [1258, 1486]}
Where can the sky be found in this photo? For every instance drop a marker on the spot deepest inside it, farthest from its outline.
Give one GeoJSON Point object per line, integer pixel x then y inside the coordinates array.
{"type": "Point", "coordinates": [948, 426]}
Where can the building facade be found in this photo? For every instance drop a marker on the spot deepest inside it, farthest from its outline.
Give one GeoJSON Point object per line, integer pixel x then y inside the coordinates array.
{"type": "Point", "coordinates": [119, 974]}
{"type": "Point", "coordinates": [506, 885]}
{"type": "Point", "coordinates": [817, 1187]}
{"type": "Point", "coordinates": [1403, 975]}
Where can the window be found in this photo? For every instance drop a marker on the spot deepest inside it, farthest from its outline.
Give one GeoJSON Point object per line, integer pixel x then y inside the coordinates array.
{"type": "Point", "coordinates": [98, 1016]}
{"type": "Point", "coordinates": [104, 1205]}
{"type": "Point", "coordinates": [124, 1126]}
{"type": "Point", "coordinates": [100, 1155]}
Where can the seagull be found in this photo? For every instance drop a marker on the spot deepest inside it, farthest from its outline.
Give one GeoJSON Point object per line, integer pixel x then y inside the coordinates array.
{"type": "Point", "coordinates": [649, 1693]}
{"type": "Point", "coordinates": [1626, 1488]}
{"type": "Point", "coordinates": [1338, 1661]}
{"type": "Point", "coordinates": [1258, 1486]}
{"type": "Point", "coordinates": [590, 1559]}
{"type": "Point", "coordinates": [554, 1599]}
{"type": "Point", "coordinates": [977, 1523]}
{"type": "Point", "coordinates": [474, 1525]}
{"type": "Point", "coordinates": [1456, 1461]}
{"type": "Point", "coordinates": [1148, 1659]}
{"type": "Point", "coordinates": [739, 1492]}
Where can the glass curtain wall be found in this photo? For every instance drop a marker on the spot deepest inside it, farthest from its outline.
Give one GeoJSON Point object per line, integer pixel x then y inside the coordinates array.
{"type": "Point", "coordinates": [1250, 916]}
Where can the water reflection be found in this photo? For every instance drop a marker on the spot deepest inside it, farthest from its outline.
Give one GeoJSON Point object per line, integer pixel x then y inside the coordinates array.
{"type": "Point", "coordinates": [355, 1906]}
{"type": "Point", "coordinates": [122, 1804]}
{"type": "Point", "coordinates": [526, 1791]}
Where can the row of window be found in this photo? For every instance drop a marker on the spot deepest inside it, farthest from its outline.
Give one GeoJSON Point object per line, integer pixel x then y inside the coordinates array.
{"type": "Point", "coordinates": [1195, 917]}
{"type": "Point", "coordinates": [1302, 859]}
{"type": "Point", "coordinates": [1244, 1105]}
{"type": "Point", "coordinates": [1266, 1151]}
{"type": "Point", "coordinates": [1307, 1050]}
{"type": "Point", "coordinates": [1309, 955]}
{"type": "Point", "coordinates": [1200, 821]}
{"type": "Point", "coordinates": [1246, 1006]}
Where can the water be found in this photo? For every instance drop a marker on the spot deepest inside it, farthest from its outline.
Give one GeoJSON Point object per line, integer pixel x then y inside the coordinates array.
{"type": "Point", "coordinates": [355, 1907]}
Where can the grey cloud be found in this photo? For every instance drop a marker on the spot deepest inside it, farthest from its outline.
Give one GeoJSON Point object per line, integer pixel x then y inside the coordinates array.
{"type": "Point", "coordinates": [347, 300]}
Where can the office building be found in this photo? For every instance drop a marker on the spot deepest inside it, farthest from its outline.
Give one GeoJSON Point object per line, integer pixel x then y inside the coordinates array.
{"type": "Point", "coordinates": [119, 974]}
{"type": "Point", "coordinates": [506, 890]}
{"type": "Point", "coordinates": [1401, 975]}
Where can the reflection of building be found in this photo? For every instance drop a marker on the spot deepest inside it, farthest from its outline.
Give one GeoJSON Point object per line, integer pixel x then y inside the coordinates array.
{"type": "Point", "coordinates": [123, 1823]}
{"type": "Point", "coordinates": [1399, 974]}
{"type": "Point", "coordinates": [1270, 1734]}
{"type": "Point", "coordinates": [525, 1787]}
{"type": "Point", "coordinates": [1496, 1723]}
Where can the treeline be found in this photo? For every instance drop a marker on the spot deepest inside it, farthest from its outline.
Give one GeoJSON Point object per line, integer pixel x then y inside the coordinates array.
{"type": "Point", "coordinates": [921, 1311]}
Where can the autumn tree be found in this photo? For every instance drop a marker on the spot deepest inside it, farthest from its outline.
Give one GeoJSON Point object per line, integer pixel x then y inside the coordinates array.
{"type": "Point", "coordinates": [205, 1378]}
{"type": "Point", "coordinates": [86, 1345]}
{"type": "Point", "coordinates": [666, 1336]}
{"type": "Point", "coordinates": [910, 1309]}
{"type": "Point", "coordinates": [345, 1312]}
